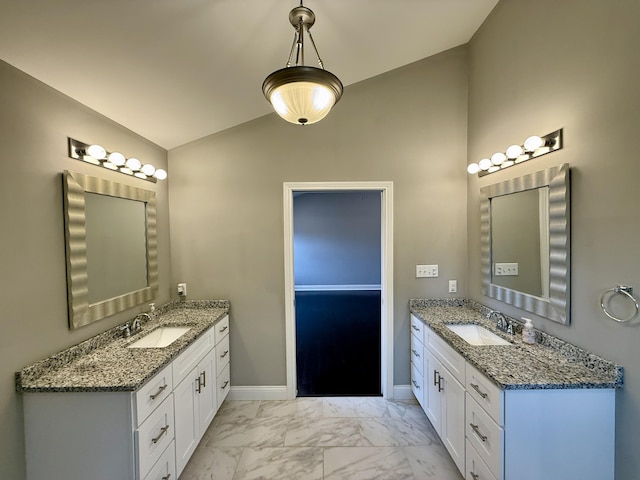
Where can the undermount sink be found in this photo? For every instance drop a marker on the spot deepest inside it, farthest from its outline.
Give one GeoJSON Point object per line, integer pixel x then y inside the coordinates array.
{"type": "Point", "coordinates": [160, 337]}
{"type": "Point", "coordinates": [476, 335]}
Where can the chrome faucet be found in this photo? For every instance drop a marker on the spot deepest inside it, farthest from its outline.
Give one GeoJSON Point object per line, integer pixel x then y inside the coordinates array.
{"type": "Point", "coordinates": [501, 321]}
{"type": "Point", "coordinates": [134, 327]}
{"type": "Point", "coordinates": [135, 323]}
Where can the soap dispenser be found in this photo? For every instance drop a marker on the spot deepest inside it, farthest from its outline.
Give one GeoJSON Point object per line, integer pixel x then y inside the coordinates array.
{"type": "Point", "coordinates": [528, 333]}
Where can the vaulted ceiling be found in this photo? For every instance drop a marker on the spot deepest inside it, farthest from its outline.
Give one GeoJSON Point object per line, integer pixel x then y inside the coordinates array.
{"type": "Point", "coordinates": [177, 70]}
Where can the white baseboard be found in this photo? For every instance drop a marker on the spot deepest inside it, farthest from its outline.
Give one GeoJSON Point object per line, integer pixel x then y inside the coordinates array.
{"type": "Point", "coordinates": [272, 392]}
{"type": "Point", "coordinates": [279, 392]}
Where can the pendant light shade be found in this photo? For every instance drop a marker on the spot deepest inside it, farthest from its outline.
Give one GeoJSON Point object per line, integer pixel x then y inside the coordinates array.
{"type": "Point", "coordinates": [298, 93]}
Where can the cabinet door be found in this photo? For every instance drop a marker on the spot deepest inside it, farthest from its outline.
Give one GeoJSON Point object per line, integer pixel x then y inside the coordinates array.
{"type": "Point", "coordinates": [207, 403]}
{"type": "Point", "coordinates": [452, 424]}
{"type": "Point", "coordinates": [186, 418]}
{"type": "Point", "coordinates": [432, 389]}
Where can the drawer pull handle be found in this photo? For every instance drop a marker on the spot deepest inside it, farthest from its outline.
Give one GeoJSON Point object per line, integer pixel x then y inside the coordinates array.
{"type": "Point", "coordinates": [204, 378]}
{"type": "Point", "coordinates": [477, 430]}
{"type": "Point", "coordinates": [224, 354]}
{"type": "Point", "coordinates": [416, 385]}
{"type": "Point", "coordinates": [198, 385]}
{"type": "Point", "coordinates": [163, 430]}
{"type": "Point", "coordinates": [223, 328]}
{"type": "Point", "coordinates": [225, 385]}
{"type": "Point", "coordinates": [160, 390]}
{"type": "Point", "coordinates": [416, 353]}
{"type": "Point", "coordinates": [475, 476]}
{"type": "Point", "coordinates": [166, 477]}
{"type": "Point", "coordinates": [477, 389]}
{"type": "Point", "coordinates": [435, 380]}
{"type": "Point", "coordinates": [440, 387]}
{"type": "Point", "coordinates": [415, 328]}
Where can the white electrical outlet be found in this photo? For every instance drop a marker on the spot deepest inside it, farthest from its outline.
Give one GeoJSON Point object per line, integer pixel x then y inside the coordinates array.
{"type": "Point", "coordinates": [506, 270]}
{"type": "Point", "coordinates": [426, 271]}
{"type": "Point", "coordinates": [182, 289]}
{"type": "Point", "coordinates": [453, 286]}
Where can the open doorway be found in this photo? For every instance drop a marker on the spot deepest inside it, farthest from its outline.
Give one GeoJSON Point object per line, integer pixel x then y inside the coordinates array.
{"type": "Point", "coordinates": [337, 271]}
{"type": "Point", "coordinates": [384, 369]}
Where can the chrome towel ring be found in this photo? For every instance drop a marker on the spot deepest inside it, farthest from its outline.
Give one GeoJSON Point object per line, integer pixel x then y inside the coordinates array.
{"type": "Point", "coordinates": [623, 290]}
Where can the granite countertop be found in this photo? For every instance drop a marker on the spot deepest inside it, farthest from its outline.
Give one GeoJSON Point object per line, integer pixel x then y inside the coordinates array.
{"type": "Point", "coordinates": [549, 364]}
{"type": "Point", "coordinates": [105, 364]}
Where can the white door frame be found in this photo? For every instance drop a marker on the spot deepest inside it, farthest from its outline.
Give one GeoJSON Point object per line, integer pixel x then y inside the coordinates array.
{"type": "Point", "coordinates": [386, 188]}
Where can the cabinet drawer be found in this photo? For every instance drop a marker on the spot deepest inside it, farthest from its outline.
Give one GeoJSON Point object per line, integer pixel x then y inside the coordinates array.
{"type": "Point", "coordinates": [416, 353]}
{"type": "Point", "coordinates": [224, 385]}
{"type": "Point", "coordinates": [165, 467]}
{"type": "Point", "coordinates": [449, 358]}
{"type": "Point", "coordinates": [417, 328]}
{"type": "Point", "coordinates": [488, 395]}
{"type": "Point", "coordinates": [154, 436]}
{"type": "Point", "coordinates": [417, 384]}
{"type": "Point", "coordinates": [221, 329]}
{"type": "Point", "coordinates": [152, 394]}
{"type": "Point", "coordinates": [485, 435]}
{"type": "Point", "coordinates": [476, 468]}
{"type": "Point", "coordinates": [222, 358]}
{"type": "Point", "coordinates": [188, 359]}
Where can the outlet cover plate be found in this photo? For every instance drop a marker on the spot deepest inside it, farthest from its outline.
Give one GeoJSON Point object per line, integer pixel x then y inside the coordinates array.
{"type": "Point", "coordinates": [426, 271]}
{"type": "Point", "coordinates": [506, 270]}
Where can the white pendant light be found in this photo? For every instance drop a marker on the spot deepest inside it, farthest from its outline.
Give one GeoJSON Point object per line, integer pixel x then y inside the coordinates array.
{"type": "Point", "coordinates": [298, 93]}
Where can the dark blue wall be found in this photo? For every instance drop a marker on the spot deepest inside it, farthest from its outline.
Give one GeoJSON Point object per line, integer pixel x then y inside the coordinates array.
{"type": "Point", "coordinates": [337, 238]}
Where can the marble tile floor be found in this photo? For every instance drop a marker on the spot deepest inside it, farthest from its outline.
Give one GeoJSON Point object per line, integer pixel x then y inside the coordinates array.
{"type": "Point", "coordinates": [329, 438]}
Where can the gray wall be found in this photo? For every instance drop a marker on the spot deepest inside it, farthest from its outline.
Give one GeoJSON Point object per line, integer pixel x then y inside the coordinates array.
{"type": "Point", "coordinates": [535, 67]}
{"type": "Point", "coordinates": [35, 121]}
{"type": "Point", "coordinates": [336, 238]}
{"type": "Point", "coordinates": [227, 238]}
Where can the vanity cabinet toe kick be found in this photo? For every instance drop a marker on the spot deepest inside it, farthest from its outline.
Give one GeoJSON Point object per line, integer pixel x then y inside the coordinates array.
{"type": "Point", "coordinates": [505, 434]}
{"type": "Point", "coordinates": [148, 434]}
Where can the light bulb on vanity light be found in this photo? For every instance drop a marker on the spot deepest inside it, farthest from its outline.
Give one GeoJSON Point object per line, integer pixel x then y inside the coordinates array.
{"type": "Point", "coordinates": [473, 168]}
{"type": "Point", "coordinates": [134, 164]}
{"type": "Point", "coordinates": [160, 174]}
{"type": "Point", "coordinates": [148, 169]}
{"type": "Point", "coordinates": [97, 151]}
{"type": "Point", "coordinates": [533, 143]}
{"type": "Point", "coordinates": [514, 151]}
{"type": "Point", "coordinates": [117, 159]}
{"type": "Point", "coordinates": [497, 158]}
{"type": "Point", "coordinates": [485, 164]}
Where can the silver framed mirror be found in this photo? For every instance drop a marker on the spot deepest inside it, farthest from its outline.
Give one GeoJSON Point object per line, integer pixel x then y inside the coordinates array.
{"type": "Point", "coordinates": [530, 242]}
{"type": "Point", "coordinates": [111, 247]}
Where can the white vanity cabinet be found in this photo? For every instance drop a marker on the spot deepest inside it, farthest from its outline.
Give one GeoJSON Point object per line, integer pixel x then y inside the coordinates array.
{"type": "Point", "coordinates": [445, 395]}
{"type": "Point", "coordinates": [223, 372]}
{"type": "Point", "coordinates": [417, 361]}
{"type": "Point", "coordinates": [526, 434]}
{"type": "Point", "coordinates": [97, 435]}
{"type": "Point", "coordinates": [194, 396]}
{"type": "Point", "coordinates": [148, 434]}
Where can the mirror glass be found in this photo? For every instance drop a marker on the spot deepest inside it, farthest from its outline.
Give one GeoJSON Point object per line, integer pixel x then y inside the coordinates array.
{"type": "Point", "coordinates": [520, 241]}
{"type": "Point", "coordinates": [116, 246]}
{"type": "Point", "coordinates": [110, 232]}
{"type": "Point", "coordinates": [525, 242]}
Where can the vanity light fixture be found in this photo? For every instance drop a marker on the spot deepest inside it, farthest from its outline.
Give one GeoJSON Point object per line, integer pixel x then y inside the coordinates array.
{"type": "Point", "coordinates": [298, 93]}
{"type": "Point", "coordinates": [534, 146]}
{"type": "Point", "coordinates": [116, 161]}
